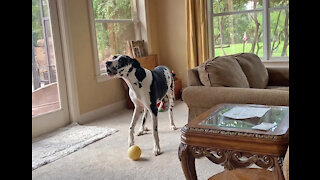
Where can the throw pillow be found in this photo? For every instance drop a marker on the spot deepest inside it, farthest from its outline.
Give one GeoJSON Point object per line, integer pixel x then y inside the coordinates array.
{"type": "Point", "coordinates": [222, 71]}
{"type": "Point", "coordinates": [254, 70]}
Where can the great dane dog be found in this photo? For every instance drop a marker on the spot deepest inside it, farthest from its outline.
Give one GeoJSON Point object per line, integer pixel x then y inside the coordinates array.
{"type": "Point", "coordinates": [146, 88]}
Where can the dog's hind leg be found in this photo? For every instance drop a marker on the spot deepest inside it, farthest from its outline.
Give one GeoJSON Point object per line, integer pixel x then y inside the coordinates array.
{"type": "Point", "coordinates": [143, 129]}
{"type": "Point", "coordinates": [136, 114]}
{"type": "Point", "coordinates": [171, 104]}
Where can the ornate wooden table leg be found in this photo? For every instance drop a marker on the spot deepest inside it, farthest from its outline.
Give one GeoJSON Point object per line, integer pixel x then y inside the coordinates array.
{"type": "Point", "coordinates": [187, 162]}
{"type": "Point", "coordinates": [277, 169]}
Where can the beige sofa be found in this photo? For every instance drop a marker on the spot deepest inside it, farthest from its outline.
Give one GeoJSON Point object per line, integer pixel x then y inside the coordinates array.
{"type": "Point", "coordinates": [240, 79]}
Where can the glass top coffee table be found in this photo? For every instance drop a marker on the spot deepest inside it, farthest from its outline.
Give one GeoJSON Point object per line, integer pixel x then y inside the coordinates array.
{"type": "Point", "coordinates": [233, 142]}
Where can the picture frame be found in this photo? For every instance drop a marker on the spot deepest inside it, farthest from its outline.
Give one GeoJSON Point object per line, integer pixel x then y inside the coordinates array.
{"type": "Point", "coordinates": [137, 48]}
{"type": "Point", "coordinates": [137, 52]}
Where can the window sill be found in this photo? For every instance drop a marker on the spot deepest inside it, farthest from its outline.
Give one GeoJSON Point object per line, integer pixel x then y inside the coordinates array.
{"type": "Point", "coordinates": [275, 60]}
{"type": "Point", "coordinates": [103, 77]}
{"type": "Point", "coordinates": [279, 62]}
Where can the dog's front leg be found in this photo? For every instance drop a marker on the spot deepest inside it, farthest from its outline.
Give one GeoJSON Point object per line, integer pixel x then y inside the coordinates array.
{"type": "Point", "coordinates": [136, 113]}
{"type": "Point", "coordinates": [156, 147]}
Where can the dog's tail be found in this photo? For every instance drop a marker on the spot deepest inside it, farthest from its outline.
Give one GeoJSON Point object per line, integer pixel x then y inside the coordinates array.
{"type": "Point", "coordinates": [171, 93]}
{"type": "Point", "coordinates": [172, 81]}
{"type": "Point", "coordinates": [173, 74]}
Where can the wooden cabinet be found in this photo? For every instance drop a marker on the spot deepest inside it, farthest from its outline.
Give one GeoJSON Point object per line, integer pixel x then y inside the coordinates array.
{"type": "Point", "coordinates": [148, 62]}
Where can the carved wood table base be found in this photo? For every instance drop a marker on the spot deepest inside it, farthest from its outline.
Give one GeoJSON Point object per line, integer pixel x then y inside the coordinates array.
{"type": "Point", "coordinates": [228, 158]}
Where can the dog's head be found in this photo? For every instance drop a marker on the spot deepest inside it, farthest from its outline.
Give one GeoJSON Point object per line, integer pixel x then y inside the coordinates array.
{"type": "Point", "coordinates": [121, 65]}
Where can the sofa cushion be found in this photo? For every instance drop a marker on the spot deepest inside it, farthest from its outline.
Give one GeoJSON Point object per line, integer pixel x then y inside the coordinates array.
{"type": "Point", "coordinates": [203, 74]}
{"type": "Point", "coordinates": [193, 77]}
{"type": "Point", "coordinates": [278, 76]}
{"type": "Point", "coordinates": [253, 68]}
{"type": "Point", "coordinates": [222, 71]}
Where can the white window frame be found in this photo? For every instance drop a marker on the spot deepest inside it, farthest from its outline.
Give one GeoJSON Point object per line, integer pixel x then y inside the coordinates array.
{"type": "Point", "coordinates": [266, 27]}
{"type": "Point", "coordinates": [101, 77]}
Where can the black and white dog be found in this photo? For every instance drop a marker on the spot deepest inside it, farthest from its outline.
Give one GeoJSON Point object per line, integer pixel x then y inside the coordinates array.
{"type": "Point", "coordinates": [146, 88]}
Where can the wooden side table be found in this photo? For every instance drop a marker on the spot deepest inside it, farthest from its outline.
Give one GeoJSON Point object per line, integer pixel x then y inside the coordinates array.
{"type": "Point", "coordinates": [233, 144]}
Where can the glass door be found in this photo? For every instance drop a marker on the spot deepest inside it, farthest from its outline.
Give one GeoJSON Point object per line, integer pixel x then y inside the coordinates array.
{"type": "Point", "coordinates": [49, 98]}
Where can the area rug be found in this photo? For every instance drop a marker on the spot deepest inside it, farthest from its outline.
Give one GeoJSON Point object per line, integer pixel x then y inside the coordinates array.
{"type": "Point", "coordinates": [50, 147]}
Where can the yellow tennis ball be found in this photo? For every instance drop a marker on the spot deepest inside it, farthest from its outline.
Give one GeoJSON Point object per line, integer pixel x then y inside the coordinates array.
{"type": "Point", "coordinates": [134, 152]}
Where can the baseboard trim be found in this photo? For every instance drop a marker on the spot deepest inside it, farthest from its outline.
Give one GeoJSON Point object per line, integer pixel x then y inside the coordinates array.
{"type": "Point", "coordinates": [101, 112]}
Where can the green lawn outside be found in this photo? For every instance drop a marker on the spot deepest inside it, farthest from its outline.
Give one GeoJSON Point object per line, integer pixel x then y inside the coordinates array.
{"type": "Point", "coordinates": [238, 48]}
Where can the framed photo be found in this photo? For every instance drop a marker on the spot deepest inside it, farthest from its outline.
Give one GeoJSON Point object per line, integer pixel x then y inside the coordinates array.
{"type": "Point", "coordinates": [137, 48]}
{"type": "Point", "coordinates": [137, 52]}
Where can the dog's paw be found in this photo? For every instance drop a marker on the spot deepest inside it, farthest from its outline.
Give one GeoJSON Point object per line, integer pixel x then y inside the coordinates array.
{"type": "Point", "coordinates": [173, 127]}
{"type": "Point", "coordinates": [156, 151]}
{"type": "Point", "coordinates": [146, 129]}
{"type": "Point", "coordinates": [142, 131]}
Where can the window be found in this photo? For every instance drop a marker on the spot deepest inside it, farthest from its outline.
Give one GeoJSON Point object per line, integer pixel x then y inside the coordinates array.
{"type": "Point", "coordinates": [49, 94]}
{"type": "Point", "coordinates": [45, 97]}
{"type": "Point", "coordinates": [43, 59]}
{"type": "Point", "coordinates": [114, 23]}
{"type": "Point", "coordinates": [256, 26]}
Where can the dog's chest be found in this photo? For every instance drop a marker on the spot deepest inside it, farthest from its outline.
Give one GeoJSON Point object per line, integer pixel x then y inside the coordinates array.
{"type": "Point", "coordinates": [139, 89]}
{"type": "Point", "coordinates": [149, 89]}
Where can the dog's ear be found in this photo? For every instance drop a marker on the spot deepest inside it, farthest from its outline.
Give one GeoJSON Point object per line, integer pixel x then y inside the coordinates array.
{"type": "Point", "coordinates": [135, 63]}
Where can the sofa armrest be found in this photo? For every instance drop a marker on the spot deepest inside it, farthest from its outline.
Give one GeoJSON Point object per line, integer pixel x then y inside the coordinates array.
{"type": "Point", "coordinates": [202, 98]}
{"type": "Point", "coordinates": [193, 77]}
{"type": "Point", "coordinates": [278, 76]}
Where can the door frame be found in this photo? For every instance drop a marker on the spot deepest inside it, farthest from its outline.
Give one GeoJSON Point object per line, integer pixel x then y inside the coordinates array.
{"type": "Point", "coordinates": [67, 51]}
{"type": "Point", "coordinates": [67, 87]}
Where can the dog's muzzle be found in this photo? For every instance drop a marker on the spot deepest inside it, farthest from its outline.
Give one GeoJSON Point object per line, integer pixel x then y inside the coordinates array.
{"type": "Point", "coordinates": [111, 71]}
